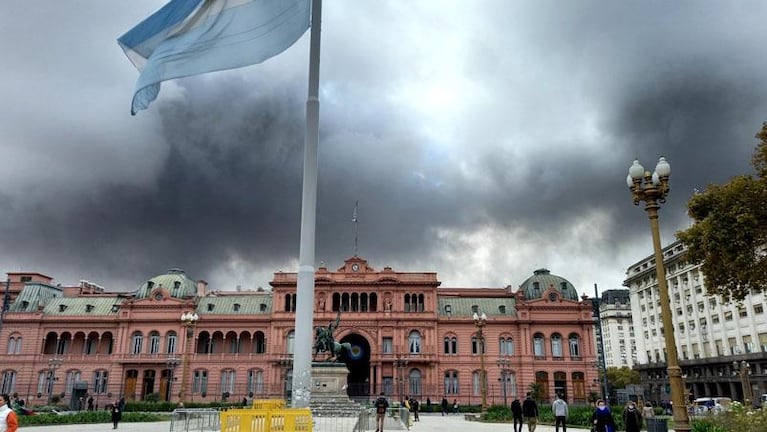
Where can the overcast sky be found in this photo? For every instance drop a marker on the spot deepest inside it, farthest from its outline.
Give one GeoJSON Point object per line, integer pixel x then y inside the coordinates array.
{"type": "Point", "coordinates": [483, 140]}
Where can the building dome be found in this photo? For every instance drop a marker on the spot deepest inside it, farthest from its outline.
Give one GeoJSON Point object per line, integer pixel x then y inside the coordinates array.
{"type": "Point", "coordinates": [175, 281]}
{"type": "Point", "coordinates": [541, 280]}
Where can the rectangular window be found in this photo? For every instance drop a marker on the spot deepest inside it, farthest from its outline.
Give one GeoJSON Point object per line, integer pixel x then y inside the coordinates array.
{"type": "Point", "coordinates": [171, 348]}
{"type": "Point", "coordinates": [715, 319]}
{"type": "Point", "coordinates": [758, 309]}
{"type": "Point", "coordinates": [255, 382]}
{"type": "Point", "coordinates": [227, 381]}
{"type": "Point", "coordinates": [728, 316]}
{"type": "Point", "coordinates": [100, 381]}
{"type": "Point", "coordinates": [9, 382]}
{"type": "Point", "coordinates": [388, 346]}
{"type": "Point", "coordinates": [200, 381]}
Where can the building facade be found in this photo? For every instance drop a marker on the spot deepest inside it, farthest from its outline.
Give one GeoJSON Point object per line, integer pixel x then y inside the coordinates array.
{"type": "Point", "coordinates": [175, 339]}
{"type": "Point", "coordinates": [617, 328]}
{"type": "Point", "coordinates": [722, 348]}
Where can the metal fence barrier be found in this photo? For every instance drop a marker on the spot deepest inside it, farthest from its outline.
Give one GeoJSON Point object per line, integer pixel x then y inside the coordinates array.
{"type": "Point", "coordinates": [194, 420]}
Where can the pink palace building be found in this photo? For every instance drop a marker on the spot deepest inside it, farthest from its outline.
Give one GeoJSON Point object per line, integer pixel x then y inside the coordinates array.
{"type": "Point", "coordinates": [175, 339]}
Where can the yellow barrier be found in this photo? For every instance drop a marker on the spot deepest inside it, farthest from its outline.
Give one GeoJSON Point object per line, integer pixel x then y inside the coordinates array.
{"type": "Point", "coordinates": [276, 420]}
{"type": "Point", "coordinates": [268, 404]}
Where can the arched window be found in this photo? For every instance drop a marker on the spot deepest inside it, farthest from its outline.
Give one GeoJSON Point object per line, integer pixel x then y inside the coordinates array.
{"type": "Point", "coordinates": [415, 382]}
{"type": "Point", "coordinates": [575, 346]}
{"type": "Point", "coordinates": [154, 342]}
{"type": "Point", "coordinates": [290, 341]}
{"type": "Point", "coordinates": [355, 302]}
{"type": "Point", "coordinates": [556, 345]}
{"type": "Point", "coordinates": [506, 346]}
{"type": "Point", "coordinates": [364, 302]}
{"type": "Point", "coordinates": [414, 342]}
{"type": "Point", "coordinates": [373, 302]}
{"type": "Point", "coordinates": [288, 305]}
{"type": "Point", "coordinates": [255, 382]}
{"type": "Point", "coordinates": [259, 344]}
{"type": "Point", "coordinates": [538, 348]}
{"type": "Point", "coordinates": [227, 381]}
{"type": "Point", "coordinates": [170, 342]}
{"type": "Point", "coordinates": [420, 303]}
{"type": "Point", "coordinates": [451, 382]}
{"type": "Point", "coordinates": [451, 345]}
{"type": "Point", "coordinates": [579, 386]}
{"type": "Point", "coordinates": [136, 341]}
{"type": "Point", "coordinates": [542, 379]}
{"type": "Point", "coordinates": [336, 302]}
{"type": "Point", "coordinates": [509, 385]}
{"type": "Point", "coordinates": [8, 384]}
{"type": "Point", "coordinates": [407, 302]}
{"type": "Point", "coordinates": [345, 302]}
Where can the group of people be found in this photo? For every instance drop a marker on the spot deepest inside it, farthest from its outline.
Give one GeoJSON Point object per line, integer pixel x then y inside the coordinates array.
{"type": "Point", "coordinates": [446, 407]}
{"type": "Point", "coordinates": [411, 405]}
{"type": "Point", "coordinates": [525, 412]}
{"type": "Point", "coordinates": [602, 418]}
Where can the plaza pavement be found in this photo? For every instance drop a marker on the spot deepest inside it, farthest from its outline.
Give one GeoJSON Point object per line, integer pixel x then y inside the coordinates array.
{"type": "Point", "coordinates": [428, 423]}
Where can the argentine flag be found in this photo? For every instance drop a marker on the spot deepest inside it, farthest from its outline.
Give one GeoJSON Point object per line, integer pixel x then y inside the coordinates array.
{"type": "Point", "coordinates": [190, 37]}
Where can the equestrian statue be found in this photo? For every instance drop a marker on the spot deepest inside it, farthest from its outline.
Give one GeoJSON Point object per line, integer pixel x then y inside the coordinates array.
{"type": "Point", "coordinates": [324, 342]}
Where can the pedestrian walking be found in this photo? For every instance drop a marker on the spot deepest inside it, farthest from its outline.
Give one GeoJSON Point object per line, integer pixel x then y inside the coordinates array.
{"type": "Point", "coordinates": [603, 418]}
{"type": "Point", "coordinates": [559, 409]}
{"type": "Point", "coordinates": [8, 420]}
{"type": "Point", "coordinates": [455, 406]}
{"type": "Point", "coordinates": [530, 411]}
{"type": "Point", "coordinates": [516, 413]}
{"type": "Point", "coordinates": [116, 414]}
{"type": "Point", "coordinates": [444, 406]}
{"type": "Point", "coordinates": [632, 418]}
{"type": "Point", "coordinates": [382, 405]}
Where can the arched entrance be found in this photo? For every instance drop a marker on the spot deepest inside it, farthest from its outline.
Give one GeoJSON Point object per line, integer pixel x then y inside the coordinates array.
{"type": "Point", "coordinates": [358, 362]}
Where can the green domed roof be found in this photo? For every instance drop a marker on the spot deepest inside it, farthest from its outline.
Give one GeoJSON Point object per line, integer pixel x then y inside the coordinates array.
{"type": "Point", "coordinates": [177, 283]}
{"type": "Point", "coordinates": [541, 280]}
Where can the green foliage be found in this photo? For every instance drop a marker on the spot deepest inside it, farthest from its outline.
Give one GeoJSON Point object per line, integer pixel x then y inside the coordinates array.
{"type": "Point", "coordinates": [621, 377]}
{"type": "Point", "coordinates": [497, 413]}
{"type": "Point", "coordinates": [739, 419]}
{"type": "Point", "coordinates": [152, 397]}
{"type": "Point", "coordinates": [730, 231]}
{"type": "Point", "coordinates": [87, 417]}
{"type": "Point", "coordinates": [164, 406]}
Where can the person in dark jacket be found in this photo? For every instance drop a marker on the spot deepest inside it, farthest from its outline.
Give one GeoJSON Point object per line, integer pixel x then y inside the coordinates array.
{"type": "Point", "coordinates": [116, 414]}
{"type": "Point", "coordinates": [530, 411]}
{"type": "Point", "coordinates": [444, 406]}
{"type": "Point", "coordinates": [603, 418]}
{"type": "Point", "coordinates": [516, 413]}
{"type": "Point", "coordinates": [632, 417]}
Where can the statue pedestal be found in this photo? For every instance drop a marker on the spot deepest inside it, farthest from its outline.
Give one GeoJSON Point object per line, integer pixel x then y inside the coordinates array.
{"type": "Point", "coordinates": [329, 381]}
{"type": "Point", "coordinates": [329, 397]}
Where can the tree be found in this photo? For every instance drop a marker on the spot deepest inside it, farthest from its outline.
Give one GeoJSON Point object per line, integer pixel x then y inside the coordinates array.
{"type": "Point", "coordinates": [621, 377]}
{"type": "Point", "coordinates": [729, 234]}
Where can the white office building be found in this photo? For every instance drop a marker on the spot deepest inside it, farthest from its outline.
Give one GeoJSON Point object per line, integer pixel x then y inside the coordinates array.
{"type": "Point", "coordinates": [617, 328]}
{"type": "Point", "coordinates": [722, 348]}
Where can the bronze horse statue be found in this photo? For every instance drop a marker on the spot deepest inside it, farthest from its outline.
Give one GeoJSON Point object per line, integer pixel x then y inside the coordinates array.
{"type": "Point", "coordinates": [325, 343]}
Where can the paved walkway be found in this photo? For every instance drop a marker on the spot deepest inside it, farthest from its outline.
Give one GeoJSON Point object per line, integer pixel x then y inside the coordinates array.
{"type": "Point", "coordinates": [428, 423]}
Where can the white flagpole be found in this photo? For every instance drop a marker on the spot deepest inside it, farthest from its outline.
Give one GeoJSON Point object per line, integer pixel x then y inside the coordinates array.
{"type": "Point", "coordinates": [302, 348]}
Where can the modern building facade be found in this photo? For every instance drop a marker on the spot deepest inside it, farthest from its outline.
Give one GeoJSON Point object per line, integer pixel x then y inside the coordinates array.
{"type": "Point", "coordinates": [176, 339]}
{"type": "Point", "coordinates": [722, 348]}
{"type": "Point", "coordinates": [617, 328]}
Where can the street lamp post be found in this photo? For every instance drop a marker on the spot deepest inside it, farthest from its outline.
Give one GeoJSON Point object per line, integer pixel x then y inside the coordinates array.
{"type": "Point", "coordinates": [53, 364]}
{"type": "Point", "coordinates": [504, 364]}
{"type": "Point", "coordinates": [172, 362]}
{"type": "Point", "coordinates": [653, 189]}
{"type": "Point", "coordinates": [480, 321]}
{"type": "Point", "coordinates": [401, 364]}
{"type": "Point", "coordinates": [188, 320]}
{"type": "Point", "coordinates": [744, 370]}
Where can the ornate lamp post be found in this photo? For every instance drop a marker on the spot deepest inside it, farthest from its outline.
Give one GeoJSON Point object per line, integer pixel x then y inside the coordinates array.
{"type": "Point", "coordinates": [401, 364]}
{"type": "Point", "coordinates": [188, 320]}
{"type": "Point", "coordinates": [480, 321]}
{"type": "Point", "coordinates": [503, 364]}
{"type": "Point", "coordinates": [653, 189]}
{"type": "Point", "coordinates": [171, 362]}
{"type": "Point", "coordinates": [744, 370]}
{"type": "Point", "coordinates": [53, 364]}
